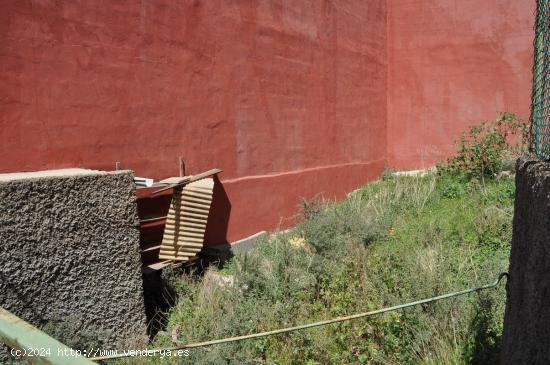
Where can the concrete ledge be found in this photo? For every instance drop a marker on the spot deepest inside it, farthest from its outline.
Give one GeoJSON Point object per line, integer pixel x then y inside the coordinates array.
{"type": "Point", "coordinates": [248, 243]}
{"type": "Point", "coordinates": [48, 173]}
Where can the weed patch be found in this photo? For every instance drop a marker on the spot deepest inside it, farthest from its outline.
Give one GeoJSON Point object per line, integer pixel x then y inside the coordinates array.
{"type": "Point", "coordinates": [396, 240]}
{"type": "Point", "coordinates": [399, 239]}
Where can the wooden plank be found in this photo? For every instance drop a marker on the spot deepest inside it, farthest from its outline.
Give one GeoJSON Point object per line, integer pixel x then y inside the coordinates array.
{"type": "Point", "coordinates": [205, 174]}
{"type": "Point", "coordinates": [189, 205]}
{"type": "Point", "coordinates": [195, 190]}
{"type": "Point", "coordinates": [187, 244]}
{"type": "Point", "coordinates": [180, 249]}
{"type": "Point", "coordinates": [178, 252]}
{"type": "Point", "coordinates": [197, 211]}
{"type": "Point", "coordinates": [156, 266]}
{"type": "Point", "coordinates": [183, 234]}
{"type": "Point", "coordinates": [185, 208]}
{"type": "Point", "coordinates": [181, 240]}
{"type": "Point", "coordinates": [182, 228]}
{"type": "Point", "coordinates": [182, 166]}
{"type": "Point", "coordinates": [191, 217]}
{"type": "Point", "coordinates": [172, 225]}
{"type": "Point", "coordinates": [153, 219]}
{"type": "Point", "coordinates": [159, 265]}
{"type": "Point", "coordinates": [190, 179]}
{"type": "Point", "coordinates": [152, 248]}
{"type": "Point", "coordinates": [173, 180]}
{"type": "Point", "coordinates": [172, 241]}
{"type": "Point", "coordinates": [174, 254]}
{"type": "Point", "coordinates": [169, 257]}
{"type": "Point", "coordinates": [194, 199]}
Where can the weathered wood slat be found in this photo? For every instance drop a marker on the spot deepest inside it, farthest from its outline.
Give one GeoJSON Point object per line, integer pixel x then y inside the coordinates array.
{"type": "Point", "coordinates": [186, 221]}
{"type": "Point", "coordinates": [186, 244]}
{"type": "Point", "coordinates": [175, 229]}
{"type": "Point", "coordinates": [183, 233]}
{"type": "Point", "coordinates": [189, 189]}
{"type": "Point", "coordinates": [180, 240]}
{"type": "Point", "coordinates": [197, 198]}
{"type": "Point", "coordinates": [186, 250]}
{"type": "Point", "coordinates": [186, 225]}
{"type": "Point", "coordinates": [190, 179]}
{"type": "Point", "coordinates": [193, 191]}
{"type": "Point", "coordinates": [172, 257]}
{"type": "Point", "coordinates": [201, 206]}
{"type": "Point", "coordinates": [156, 266]}
{"type": "Point", "coordinates": [191, 217]}
{"type": "Point", "coordinates": [181, 209]}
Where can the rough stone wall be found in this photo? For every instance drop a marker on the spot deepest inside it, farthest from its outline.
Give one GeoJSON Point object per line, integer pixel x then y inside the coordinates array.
{"type": "Point", "coordinates": [70, 263]}
{"type": "Point", "coordinates": [527, 319]}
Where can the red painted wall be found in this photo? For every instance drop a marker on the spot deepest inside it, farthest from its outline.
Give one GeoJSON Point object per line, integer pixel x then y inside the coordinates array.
{"type": "Point", "coordinates": [451, 64]}
{"type": "Point", "coordinates": [287, 97]}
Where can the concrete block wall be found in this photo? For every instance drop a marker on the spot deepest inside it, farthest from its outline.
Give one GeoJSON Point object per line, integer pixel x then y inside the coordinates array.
{"type": "Point", "coordinates": [70, 263]}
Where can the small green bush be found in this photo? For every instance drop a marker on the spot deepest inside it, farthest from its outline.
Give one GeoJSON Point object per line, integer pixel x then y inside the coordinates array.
{"type": "Point", "coordinates": [486, 148]}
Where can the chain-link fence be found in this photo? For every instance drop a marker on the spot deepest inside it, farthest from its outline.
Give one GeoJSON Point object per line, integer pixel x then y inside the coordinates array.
{"type": "Point", "coordinates": [540, 112]}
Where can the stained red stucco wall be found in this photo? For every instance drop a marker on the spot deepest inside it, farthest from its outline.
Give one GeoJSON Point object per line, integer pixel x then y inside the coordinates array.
{"type": "Point", "coordinates": [287, 97]}
{"type": "Point", "coordinates": [452, 64]}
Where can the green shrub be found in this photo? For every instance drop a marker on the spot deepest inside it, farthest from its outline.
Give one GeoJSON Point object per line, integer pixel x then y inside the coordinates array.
{"type": "Point", "coordinates": [486, 148]}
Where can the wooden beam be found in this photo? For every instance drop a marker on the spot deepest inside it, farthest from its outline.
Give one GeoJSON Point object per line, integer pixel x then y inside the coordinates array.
{"type": "Point", "coordinates": [190, 179]}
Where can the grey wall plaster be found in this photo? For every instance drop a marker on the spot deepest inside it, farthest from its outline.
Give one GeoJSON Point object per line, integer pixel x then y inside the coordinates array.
{"type": "Point", "coordinates": [69, 257]}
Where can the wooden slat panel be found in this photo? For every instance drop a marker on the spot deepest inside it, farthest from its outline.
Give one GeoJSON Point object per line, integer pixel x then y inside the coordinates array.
{"type": "Point", "coordinates": [186, 221]}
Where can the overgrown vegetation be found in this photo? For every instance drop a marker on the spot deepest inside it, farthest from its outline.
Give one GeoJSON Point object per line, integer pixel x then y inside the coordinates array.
{"type": "Point", "coordinates": [486, 148]}
{"type": "Point", "coordinates": [394, 241]}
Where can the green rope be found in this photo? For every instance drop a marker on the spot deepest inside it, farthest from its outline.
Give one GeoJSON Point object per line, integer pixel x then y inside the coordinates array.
{"type": "Point", "coordinates": [306, 326]}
